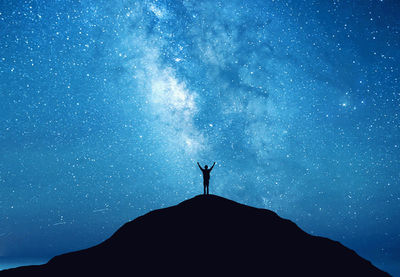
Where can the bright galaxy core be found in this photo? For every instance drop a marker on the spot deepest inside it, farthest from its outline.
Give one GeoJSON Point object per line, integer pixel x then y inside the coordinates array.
{"type": "Point", "coordinates": [106, 106]}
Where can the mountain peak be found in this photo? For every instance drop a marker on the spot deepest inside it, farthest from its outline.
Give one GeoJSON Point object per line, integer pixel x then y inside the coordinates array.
{"type": "Point", "coordinates": [210, 235]}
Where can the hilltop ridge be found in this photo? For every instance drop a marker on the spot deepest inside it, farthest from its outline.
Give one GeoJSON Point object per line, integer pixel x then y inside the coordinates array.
{"type": "Point", "coordinates": [209, 235]}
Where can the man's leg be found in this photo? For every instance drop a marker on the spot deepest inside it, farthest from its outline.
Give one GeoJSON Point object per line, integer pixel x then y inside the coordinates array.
{"type": "Point", "coordinates": [204, 185]}
{"type": "Point", "coordinates": [207, 189]}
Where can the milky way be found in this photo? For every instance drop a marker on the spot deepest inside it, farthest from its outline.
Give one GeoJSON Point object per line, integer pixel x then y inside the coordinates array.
{"type": "Point", "coordinates": [106, 106]}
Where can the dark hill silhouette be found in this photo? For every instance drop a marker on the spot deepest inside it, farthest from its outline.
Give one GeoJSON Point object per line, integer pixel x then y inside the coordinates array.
{"type": "Point", "coordinates": [208, 235]}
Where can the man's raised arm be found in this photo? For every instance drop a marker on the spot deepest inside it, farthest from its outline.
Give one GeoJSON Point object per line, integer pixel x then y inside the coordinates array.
{"type": "Point", "coordinates": [212, 166]}
{"type": "Point", "coordinates": [200, 166]}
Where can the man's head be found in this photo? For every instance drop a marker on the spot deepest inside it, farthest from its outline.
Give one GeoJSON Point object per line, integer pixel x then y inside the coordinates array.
{"type": "Point", "coordinates": [206, 166]}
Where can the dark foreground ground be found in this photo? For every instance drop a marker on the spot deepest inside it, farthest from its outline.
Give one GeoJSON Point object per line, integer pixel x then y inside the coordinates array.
{"type": "Point", "coordinates": [208, 235]}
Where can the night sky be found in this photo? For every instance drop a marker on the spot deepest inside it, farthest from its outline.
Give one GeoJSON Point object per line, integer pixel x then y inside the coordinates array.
{"type": "Point", "coordinates": [106, 106]}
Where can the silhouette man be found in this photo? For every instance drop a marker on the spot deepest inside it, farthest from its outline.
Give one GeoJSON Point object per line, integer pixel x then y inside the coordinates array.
{"type": "Point", "coordinates": [206, 176]}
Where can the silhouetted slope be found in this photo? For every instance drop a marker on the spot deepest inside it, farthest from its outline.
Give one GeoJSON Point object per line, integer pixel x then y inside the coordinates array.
{"type": "Point", "coordinates": [208, 235]}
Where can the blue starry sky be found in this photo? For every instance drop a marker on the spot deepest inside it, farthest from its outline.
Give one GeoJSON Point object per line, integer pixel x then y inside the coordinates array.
{"type": "Point", "coordinates": [106, 106]}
